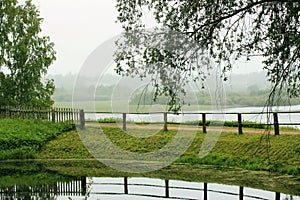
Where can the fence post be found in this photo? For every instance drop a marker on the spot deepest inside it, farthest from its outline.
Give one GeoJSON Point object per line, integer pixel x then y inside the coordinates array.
{"type": "Point", "coordinates": [204, 123]}
{"type": "Point", "coordinates": [124, 121]}
{"type": "Point", "coordinates": [53, 115]}
{"type": "Point", "coordinates": [276, 124]}
{"type": "Point", "coordinates": [82, 120]}
{"type": "Point", "coordinates": [165, 121]}
{"type": "Point", "coordinates": [240, 125]}
{"type": "Point", "coordinates": [7, 112]}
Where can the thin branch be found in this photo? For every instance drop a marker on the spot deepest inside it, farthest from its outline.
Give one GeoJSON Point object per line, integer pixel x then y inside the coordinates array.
{"type": "Point", "coordinates": [235, 12]}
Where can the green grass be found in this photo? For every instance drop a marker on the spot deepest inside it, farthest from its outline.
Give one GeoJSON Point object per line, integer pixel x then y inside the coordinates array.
{"type": "Point", "coordinates": [279, 154]}
{"type": "Point", "coordinates": [229, 161]}
{"type": "Point", "coordinates": [110, 120]}
{"type": "Point", "coordinates": [22, 139]}
{"type": "Point", "coordinates": [65, 146]}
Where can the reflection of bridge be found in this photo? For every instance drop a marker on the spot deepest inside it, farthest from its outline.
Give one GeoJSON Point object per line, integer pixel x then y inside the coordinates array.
{"type": "Point", "coordinates": [138, 187]}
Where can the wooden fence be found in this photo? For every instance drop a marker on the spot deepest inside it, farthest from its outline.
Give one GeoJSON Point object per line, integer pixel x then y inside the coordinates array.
{"type": "Point", "coordinates": [273, 118]}
{"type": "Point", "coordinates": [54, 115]}
{"type": "Point", "coordinates": [77, 116]}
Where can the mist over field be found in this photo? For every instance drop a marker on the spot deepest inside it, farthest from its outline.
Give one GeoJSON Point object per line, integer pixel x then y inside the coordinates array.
{"type": "Point", "coordinates": [241, 90]}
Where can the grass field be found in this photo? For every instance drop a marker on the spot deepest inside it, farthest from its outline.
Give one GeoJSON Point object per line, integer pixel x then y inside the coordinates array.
{"type": "Point", "coordinates": [22, 139]}
{"type": "Point", "coordinates": [235, 159]}
{"type": "Point", "coordinates": [279, 154]}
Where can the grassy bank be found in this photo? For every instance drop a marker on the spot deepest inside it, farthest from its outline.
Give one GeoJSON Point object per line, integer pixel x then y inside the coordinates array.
{"type": "Point", "coordinates": [279, 154]}
{"type": "Point", "coordinates": [22, 139]}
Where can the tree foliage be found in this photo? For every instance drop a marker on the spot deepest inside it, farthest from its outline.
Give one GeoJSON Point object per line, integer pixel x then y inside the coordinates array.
{"type": "Point", "coordinates": [25, 56]}
{"type": "Point", "coordinates": [225, 30]}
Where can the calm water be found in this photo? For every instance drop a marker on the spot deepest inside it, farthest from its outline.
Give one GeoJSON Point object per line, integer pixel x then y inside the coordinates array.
{"type": "Point", "coordinates": [136, 188]}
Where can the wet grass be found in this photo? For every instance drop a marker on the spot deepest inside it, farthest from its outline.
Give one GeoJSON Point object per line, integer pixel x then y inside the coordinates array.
{"type": "Point", "coordinates": [277, 154]}
{"type": "Point", "coordinates": [244, 160]}
{"type": "Point", "coordinates": [22, 139]}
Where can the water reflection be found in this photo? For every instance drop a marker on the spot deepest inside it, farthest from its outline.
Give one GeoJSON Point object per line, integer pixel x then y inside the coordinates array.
{"type": "Point", "coordinates": [76, 187]}
{"type": "Point", "coordinates": [136, 188]}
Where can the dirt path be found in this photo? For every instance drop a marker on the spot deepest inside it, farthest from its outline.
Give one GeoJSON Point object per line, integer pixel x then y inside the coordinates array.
{"type": "Point", "coordinates": [257, 131]}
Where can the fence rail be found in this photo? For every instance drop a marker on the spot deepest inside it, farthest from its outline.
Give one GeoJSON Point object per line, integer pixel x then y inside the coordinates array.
{"type": "Point", "coordinates": [77, 116]}
{"type": "Point", "coordinates": [273, 118]}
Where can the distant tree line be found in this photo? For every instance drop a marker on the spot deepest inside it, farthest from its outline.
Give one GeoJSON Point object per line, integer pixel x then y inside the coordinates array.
{"type": "Point", "coordinates": [252, 96]}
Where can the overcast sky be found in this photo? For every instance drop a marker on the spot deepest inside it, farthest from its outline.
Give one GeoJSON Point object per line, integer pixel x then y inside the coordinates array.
{"type": "Point", "coordinates": [77, 27]}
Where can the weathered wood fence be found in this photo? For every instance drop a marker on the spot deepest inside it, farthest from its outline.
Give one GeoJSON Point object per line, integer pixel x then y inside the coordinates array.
{"type": "Point", "coordinates": [77, 116]}
{"type": "Point", "coordinates": [273, 119]}
{"type": "Point", "coordinates": [67, 115]}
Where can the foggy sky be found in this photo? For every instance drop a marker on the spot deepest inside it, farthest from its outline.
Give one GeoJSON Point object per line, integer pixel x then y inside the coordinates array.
{"type": "Point", "coordinates": [77, 27]}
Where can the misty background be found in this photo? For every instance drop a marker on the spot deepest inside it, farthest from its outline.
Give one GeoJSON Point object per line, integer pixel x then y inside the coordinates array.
{"type": "Point", "coordinates": [250, 89]}
{"type": "Point", "coordinates": [78, 27]}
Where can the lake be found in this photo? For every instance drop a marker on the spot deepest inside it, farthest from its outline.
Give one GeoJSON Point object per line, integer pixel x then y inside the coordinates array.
{"type": "Point", "coordinates": [125, 188]}
{"type": "Point", "coordinates": [68, 180]}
